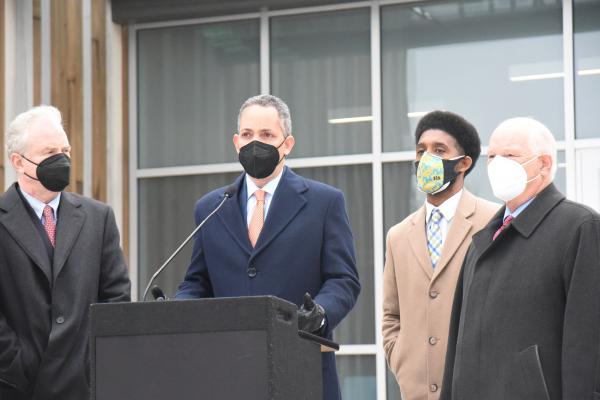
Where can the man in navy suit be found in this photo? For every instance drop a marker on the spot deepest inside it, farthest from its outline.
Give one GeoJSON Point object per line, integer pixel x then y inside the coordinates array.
{"type": "Point", "coordinates": [280, 235]}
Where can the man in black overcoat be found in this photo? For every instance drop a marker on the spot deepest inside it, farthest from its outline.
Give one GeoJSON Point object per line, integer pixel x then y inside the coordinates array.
{"type": "Point", "coordinates": [526, 315]}
{"type": "Point", "coordinates": [59, 252]}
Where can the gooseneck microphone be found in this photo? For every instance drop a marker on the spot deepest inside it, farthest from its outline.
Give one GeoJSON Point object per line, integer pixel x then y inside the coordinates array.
{"type": "Point", "coordinates": [229, 193]}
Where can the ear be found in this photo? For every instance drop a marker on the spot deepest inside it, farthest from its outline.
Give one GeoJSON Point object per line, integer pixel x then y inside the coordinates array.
{"type": "Point", "coordinates": [464, 164]}
{"type": "Point", "coordinates": [17, 162]}
{"type": "Point", "coordinates": [546, 169]}
{"type": "Point", "coordinates": [288, 145]}
{"type": "Point", "coordinates": [236, 140]}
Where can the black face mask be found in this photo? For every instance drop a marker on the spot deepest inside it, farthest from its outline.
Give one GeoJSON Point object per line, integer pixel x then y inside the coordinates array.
{"type": "Point", "coordinates": [53, 172]}
{"type": "Point", "coordinates": [259, 159]}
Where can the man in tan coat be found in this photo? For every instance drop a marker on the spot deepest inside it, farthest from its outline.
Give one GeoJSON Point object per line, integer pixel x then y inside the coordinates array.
{"type": "Point", "coordinates": [424, 254]}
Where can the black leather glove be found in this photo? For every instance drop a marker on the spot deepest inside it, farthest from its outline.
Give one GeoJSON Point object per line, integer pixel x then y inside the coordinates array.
{"type": "Point", "coordinates": [310, 315]}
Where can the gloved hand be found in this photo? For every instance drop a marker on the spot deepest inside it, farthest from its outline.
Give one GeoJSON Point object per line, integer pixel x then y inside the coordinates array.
{"type": "Point", "coordinates": [311, 315]}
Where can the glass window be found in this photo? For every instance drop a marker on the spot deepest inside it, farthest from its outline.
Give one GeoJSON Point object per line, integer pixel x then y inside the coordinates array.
{"type": "Point", "coordinates": [357, 377]}
{"type": "Point", "coordinates": [321, 67]}
{"type": "Point", "coordinates": [355, 181]}
{"type": "Point", "coordinates": [191, 83]}
{"type": "Point", "coordinates": [165, 219]}
{"type": "Point", "coordinates": [588, 177]}
{"type": "Point", "coordinates": [393, 389]}
{"type": "Point", "coordinates": [587, 67]}
{"type": "Point", "coordinates": [487, 62]}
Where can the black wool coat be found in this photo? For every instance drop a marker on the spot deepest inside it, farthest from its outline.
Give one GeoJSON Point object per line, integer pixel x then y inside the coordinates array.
{"type": "Point", "coordinates": [44, 302]}
{"type": "Point", "coordinates": [526, 315]}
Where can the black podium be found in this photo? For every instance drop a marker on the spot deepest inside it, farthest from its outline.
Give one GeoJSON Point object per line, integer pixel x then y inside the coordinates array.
{"type": "Point", "coordinates": [213, 349]}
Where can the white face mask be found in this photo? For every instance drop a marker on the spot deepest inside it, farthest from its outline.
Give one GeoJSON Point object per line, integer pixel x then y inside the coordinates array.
{"type": "Point", "coordinates": [507, 177]}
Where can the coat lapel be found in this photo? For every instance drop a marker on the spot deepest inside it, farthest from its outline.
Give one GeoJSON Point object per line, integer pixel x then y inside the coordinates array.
{"type": "Point", "coordinates": [459, 228]}
{"type": "Point", "coordinates": [18, 223]}
{"type": "Point", "coordinates": [287, 201]}
{"type": "Point", "coordinates": [232, 218]}
{"type": "Point", "coordinates": [70, 222]}
{"type": "Point", "coordinates": [418, 242]}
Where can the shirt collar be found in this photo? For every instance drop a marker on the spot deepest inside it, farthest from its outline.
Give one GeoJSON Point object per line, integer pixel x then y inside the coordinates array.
{"type": "Point", "coordinates": [38, 205]}
{"type": "Point", "coordinates": [519, 209]}
{"type": "Point", "coordinates": [447, 208]}
{"type": "Point", "coordinates": [268, 188]}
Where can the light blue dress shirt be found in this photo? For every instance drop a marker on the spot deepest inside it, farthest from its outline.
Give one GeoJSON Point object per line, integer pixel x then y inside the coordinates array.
{"type": "Point", "coordinates": [38, 206]}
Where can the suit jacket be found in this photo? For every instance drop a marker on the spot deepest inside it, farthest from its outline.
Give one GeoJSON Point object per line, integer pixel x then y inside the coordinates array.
{"type": "Point", "coordinates": [417, 299]}
{"type": "Point", "coordinates": [526, 315]}
{"type": "Point", "coordinates": [305, 246]}
{"type": "Point", "coordinates": [44, 302]}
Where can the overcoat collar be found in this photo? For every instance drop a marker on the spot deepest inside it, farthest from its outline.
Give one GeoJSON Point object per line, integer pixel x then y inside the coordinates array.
{"type": "Point", "coordinates": [525, 224]}
{"type": "Point", "coordinates": [18, 223]}
{"type": "Point", "coordinates": [287, 201]}
{"type": "Point", "coordinates": [459, 228]}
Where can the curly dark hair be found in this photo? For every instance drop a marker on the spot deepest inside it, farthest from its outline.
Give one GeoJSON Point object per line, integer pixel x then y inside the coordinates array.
{"type": "Point", "coordinates": [462, 130]}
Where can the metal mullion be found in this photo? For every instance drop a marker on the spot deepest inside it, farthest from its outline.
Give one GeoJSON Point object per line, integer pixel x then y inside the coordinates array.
{"type": "Point", "coordinates": [195, 21]}
{"type": "Point", "coordinates": [317, 9]}
{"type": "Point", "coordinates": [133, 180]}
{"type": "Point", "coordinates": [569, 98]}
{"type": "Point", "coordinates": [265, 57]}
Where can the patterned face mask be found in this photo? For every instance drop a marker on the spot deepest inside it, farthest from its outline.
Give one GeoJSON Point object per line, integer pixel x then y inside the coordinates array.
{"type": "Point", "coordinates": [434, 173]}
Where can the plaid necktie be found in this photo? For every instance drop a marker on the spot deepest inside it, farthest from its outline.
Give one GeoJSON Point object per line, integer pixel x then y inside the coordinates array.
{"type": "Point", "coordinates": [258, 217]}
{"type": "Point", "coordinates": [507, 221]}
{"type": "Point", "coordinates": [434, 236]}
{"type": "Point", "coordinates": [49, 224]}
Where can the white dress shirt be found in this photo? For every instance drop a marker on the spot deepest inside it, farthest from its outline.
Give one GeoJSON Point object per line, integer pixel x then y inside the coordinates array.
{"type": "Point", "coordinates": [448, 209]}
{"type": "Point", "coordinates": [269, 190]}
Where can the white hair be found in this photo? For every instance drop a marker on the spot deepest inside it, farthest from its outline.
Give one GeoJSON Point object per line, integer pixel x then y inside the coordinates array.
{"type": "Point", "coordinates": [541, 140]}
{"type": "Point", "coordinates": [267, 100]}
{"type": "Point", "coordinates": [18, 130]}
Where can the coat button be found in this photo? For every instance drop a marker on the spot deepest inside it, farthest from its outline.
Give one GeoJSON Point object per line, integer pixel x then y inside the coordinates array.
{"type": "Point", "coordinates": [432, 340]}
{"type": "Point", "coordinates": [251, 272]}
{"type": "Point", "coordinates": [433, 294]}
{"type": "Point", "coordinates": [60, 320]}
{"type": "Point", "coordinates": [433, 387]}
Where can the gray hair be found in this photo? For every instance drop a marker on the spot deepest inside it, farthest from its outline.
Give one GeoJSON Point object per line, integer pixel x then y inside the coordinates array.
{"type": "Point", "coordinates": [267, 100]}
{"type": "Point", "coordinates": [541, 139]}
{"type": "Point", "coordinates": [18, 130]}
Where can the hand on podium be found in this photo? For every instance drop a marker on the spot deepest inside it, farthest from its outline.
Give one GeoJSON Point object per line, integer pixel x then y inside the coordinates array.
{"type": "Point", "coordinates": [311, 316]}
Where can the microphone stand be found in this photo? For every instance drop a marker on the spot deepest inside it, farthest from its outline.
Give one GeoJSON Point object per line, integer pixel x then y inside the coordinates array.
{"type": "Point", "coordinates": [158, 271]}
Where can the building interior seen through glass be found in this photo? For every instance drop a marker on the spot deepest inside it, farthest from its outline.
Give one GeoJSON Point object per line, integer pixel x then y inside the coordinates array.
{"type": "Point", "coordinates": [354, 111]}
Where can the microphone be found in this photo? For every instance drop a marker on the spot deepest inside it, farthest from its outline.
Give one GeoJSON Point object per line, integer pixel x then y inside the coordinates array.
{"type": "Point", "coordinates": [157, 293]}
{"type": "Point", "coordinates": [229, 193]}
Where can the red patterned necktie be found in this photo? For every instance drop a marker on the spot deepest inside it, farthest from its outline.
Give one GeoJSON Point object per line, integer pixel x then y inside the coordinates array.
{"type": "Point", "coordinates": [50, 225]}
{"type": "Point", "coordinates": [507, 221]}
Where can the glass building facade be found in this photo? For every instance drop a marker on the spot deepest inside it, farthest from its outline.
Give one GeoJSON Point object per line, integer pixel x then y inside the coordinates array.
{"type": "Point", "coordinates": [357, 77]}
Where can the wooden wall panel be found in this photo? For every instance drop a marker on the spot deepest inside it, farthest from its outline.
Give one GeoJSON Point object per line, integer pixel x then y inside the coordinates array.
{"type": "Point", "coordinates": [37, 53]}
{"type": "Point", "coordinates": [99, 111]}
{"type": "Point", "coordinates": [125, 103]}
{"type": "Point", "coordinates": [2, 94]}
{"type": "Point", "coordinates": [67, 78]}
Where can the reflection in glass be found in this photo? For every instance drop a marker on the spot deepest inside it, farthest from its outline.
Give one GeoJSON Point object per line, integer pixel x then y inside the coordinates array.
{"type": "Point", "coordinates": [357, 377]}
{"type": "Point", "coordinates": [321, 67]}
{"type": "Point", "coordinates": [166, 218]}
{"type": "Point", "coordinates": [191, 83]}
{"type": "Point", "coordinates": [587, 67]}
{"type": "Point", "coordinates": [485, 62]}
{"type": "Point", "coordinates": [356, 183]}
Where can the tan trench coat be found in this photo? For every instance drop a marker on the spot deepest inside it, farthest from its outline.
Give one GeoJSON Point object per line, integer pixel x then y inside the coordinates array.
{"type": "Point", "coordinates": [417, 300]}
